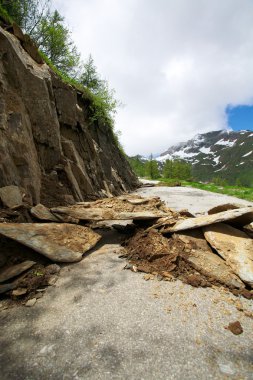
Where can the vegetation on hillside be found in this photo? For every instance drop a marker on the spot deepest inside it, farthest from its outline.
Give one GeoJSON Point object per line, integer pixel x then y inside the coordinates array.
{"type": "Point", "coordinates": [150, 168]}
{"type": "Point", "coordinates": [179, 172]}
{"type": "Point", "coordinates": [47, 28]}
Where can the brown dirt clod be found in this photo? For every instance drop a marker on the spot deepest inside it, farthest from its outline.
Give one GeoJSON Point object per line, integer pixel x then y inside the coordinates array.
{"type": "Point", "coordinates": [235, 328]}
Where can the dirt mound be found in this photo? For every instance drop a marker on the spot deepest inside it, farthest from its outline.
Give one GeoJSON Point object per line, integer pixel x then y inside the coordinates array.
{"type": "Point", "coordinates": [152, 253]}
{"type": "Point", "coordinates": [171, 258]}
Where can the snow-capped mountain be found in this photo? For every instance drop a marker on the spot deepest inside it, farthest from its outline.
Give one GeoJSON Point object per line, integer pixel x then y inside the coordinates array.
{"type": "Point", "coordinates": [226, 154]}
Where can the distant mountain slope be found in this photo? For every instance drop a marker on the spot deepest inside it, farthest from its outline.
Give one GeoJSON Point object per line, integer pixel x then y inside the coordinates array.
{"type": "Point", "coordinates": [224, 154]}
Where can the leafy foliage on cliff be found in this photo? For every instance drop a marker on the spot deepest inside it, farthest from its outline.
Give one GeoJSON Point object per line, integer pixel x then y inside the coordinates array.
{"type": "Point", "coordinates": [27, 13]}
{"type": "Point", "coordinates": [53, 39]}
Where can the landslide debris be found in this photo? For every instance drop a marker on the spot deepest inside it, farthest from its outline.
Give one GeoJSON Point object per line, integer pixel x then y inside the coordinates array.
{"type": "Point", "coordinates": [156, 240]}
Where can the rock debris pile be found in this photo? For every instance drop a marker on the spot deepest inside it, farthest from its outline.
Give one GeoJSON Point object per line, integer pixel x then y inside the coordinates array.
{"type": "Point", "coordinates": [213, 249]}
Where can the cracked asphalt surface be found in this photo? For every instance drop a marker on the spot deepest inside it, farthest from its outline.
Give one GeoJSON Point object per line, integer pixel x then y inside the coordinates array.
{"type": "Point", "coordinates": [103, 322]}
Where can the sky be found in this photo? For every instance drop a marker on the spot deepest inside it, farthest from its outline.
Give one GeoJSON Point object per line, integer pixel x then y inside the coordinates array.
{"type": "Point", "coordinates": [240, 117]}
{"type": "Point", "coordinates": [180, 67]}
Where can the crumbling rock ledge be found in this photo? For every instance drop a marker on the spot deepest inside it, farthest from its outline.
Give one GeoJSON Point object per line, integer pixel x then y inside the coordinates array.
{"type": "Point", "coordinates": [48, 147]}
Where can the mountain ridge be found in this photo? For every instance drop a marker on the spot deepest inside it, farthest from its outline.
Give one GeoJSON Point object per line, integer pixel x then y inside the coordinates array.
{"type": "Point", "coordinates": [225, 154]}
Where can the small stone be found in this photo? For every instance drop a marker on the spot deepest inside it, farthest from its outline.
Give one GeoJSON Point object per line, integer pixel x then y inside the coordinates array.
{"type": "Point", "coordinates": [31, 302]}
{"type": "Point", "coordinates": [11, 196]}
{"type": "Point", "coordinates": [134, 268]}
{"type": "Point", "coordinates": [159, 277]}
{"type": "Point", "coordinates": [128, 266]}
{"type": "Point", "coordinates": [235, 328]}
{"type": "Point", "coordinates": [43, 213]}
{"type": "Point", "coordinates": [53, 268]}
{"type": "Point", "coordinates": [52, 281]}
{"type": "Point", "coordinates": [39, 295]}
{"type": "Point", "coordinates": [19, 292]}
{"type": "Point", "coordinates": [148, 277]}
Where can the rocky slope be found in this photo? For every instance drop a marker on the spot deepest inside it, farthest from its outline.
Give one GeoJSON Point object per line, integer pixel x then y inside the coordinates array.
{"type": "Point", "coordinates": [48, 147]}
{"type": "Point", "coordinates": [225, 154]}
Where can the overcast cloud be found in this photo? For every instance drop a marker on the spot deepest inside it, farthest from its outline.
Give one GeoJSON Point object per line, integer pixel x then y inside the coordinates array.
{"type": "Point", "coordinates": [175, 64]}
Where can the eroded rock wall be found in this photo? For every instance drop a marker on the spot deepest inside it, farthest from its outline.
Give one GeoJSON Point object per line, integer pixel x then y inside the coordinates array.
{"type": "Point", "coordinates": [47, 145]}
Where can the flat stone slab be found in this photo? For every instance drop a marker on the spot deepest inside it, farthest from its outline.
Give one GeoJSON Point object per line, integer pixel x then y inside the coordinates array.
{"type": "Point", "coordinates": [7, 287]}
{"type": "Point", "coordinates": [235, 246]}
{"type": "Point", "coordinates": [59, 242]}
{"type": "Point", "coordinates": [206, 220]}
{"type": "Point", "coordinates": [90, 214]}
{"type": "Point", "coordinates": [43, 213]}
{"type": "Point", "coordinates": [224, 207]}
{"type": "Point", "coordinates": [202, 258]}
{"type": "Point", "coordinates": [11, 196]}
{"type": "Point", "coordinates": [15, 270]}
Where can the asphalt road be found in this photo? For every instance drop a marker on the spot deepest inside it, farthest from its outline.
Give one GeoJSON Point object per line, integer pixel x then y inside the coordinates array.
{"type": "Point", "coordinates": [103, 322]}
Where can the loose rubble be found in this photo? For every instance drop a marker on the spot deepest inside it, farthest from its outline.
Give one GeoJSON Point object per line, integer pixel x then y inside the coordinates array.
{"type": "Point", "coordinates": [201, 251]}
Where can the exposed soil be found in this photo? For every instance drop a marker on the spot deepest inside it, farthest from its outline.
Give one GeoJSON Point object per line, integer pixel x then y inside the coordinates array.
{"type": "Point", "coordinates": [21, 215]}
{"type": "Point", "coordinates": [151, 252]}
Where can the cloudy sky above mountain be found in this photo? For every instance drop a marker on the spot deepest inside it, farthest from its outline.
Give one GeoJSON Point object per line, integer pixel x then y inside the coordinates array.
{"type": "Point", "coordinates": [176, 65]}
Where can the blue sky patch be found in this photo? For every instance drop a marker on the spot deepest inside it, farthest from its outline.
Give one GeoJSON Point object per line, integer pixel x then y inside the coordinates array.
{"type": "Point", "coordinates": [240, 117]}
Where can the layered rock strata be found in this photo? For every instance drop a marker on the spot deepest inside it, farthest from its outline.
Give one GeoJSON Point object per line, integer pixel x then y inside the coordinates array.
{"type": "Point", "coordinates": [48, 146]}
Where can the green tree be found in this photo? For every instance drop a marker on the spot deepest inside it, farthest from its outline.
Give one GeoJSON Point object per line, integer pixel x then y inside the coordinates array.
{"type": "Point", "coordinates": [138, 165]}
{"type": "Point", "coordinates": [167, 169]}
{"type": "Point", "coordinates": [151, 168]}
{"type": "Point", "coordinates": [90, 77]}
{"type": "Point", "coordinates": [177, 169]}
{"type": "Point", "coordinates": [104, 104]}
{"type": "Point", "coordinates": [54, 40]}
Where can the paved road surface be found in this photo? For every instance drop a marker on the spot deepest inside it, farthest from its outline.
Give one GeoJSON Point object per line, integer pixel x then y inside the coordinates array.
{"type": "Point", "coordinates": [103, 322]}
{"type": "Point", "coordinates": [195, 200]}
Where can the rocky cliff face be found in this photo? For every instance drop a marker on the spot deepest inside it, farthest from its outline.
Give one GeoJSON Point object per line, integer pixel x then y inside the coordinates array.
{"type": "Point", "coordinates": [47, 145]}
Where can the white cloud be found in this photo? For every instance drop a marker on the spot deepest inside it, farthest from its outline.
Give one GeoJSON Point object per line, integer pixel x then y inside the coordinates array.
{"type": "Point", "coordinates": [176, 65]}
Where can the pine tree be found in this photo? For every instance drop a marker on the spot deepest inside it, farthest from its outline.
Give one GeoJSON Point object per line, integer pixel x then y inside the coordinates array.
{"type": "Point", "coordinates": [89, 77]}
{"type": "Point", "coordinates": [151, 168]}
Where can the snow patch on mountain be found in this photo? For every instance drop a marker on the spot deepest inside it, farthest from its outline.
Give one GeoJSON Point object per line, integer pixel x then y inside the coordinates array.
{"type": "Point", "coordinates": [216, 160]}
{"type": "Point", "coordinates": [247, 154]}
{"type": "Point", "coordinates": [223, 167]}
{"type": "Point", "coordinates": [205, 150]}
{"type": "Point", "coordinates": [214, 152]}
{"type": "Point", "coordinates": [225, 143]}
